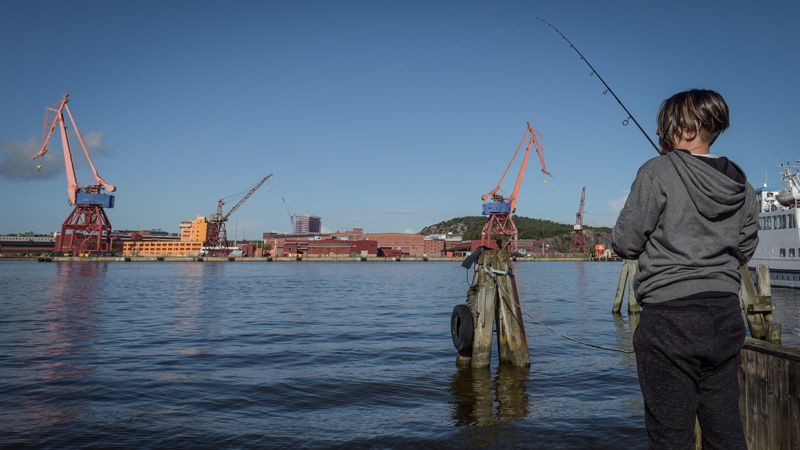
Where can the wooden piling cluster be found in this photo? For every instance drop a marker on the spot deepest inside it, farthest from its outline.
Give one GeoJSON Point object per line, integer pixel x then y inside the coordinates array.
{"type": "Point", "coordinates": [493, 300]}
{"type": "Point", "coordinates": [626, 279]}
{"type": "Point", "coordinates": [757, 305]}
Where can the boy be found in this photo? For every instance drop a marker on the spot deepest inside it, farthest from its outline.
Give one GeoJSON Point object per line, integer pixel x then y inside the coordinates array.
{"type": "Point", "coordinates": [691, 219]}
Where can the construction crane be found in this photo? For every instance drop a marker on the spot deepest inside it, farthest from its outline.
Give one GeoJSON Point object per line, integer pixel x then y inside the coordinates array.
{"type": "Point", "coordinates": [578, 238]}
{"type": "Point", "coordinates": [87, 228]}
{"type": "Point", "coordinates": [291, 214]}
{"type": "Point", "coordinates": [217, 236]}
{"type": "Point", "coordinates": [501, 207]}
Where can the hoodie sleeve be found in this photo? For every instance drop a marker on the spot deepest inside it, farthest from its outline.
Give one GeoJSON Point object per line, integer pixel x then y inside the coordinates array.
{"type": "Point", "coordinates": [638, 217]}
{"type": "Point", "coordinates": [748, 235]}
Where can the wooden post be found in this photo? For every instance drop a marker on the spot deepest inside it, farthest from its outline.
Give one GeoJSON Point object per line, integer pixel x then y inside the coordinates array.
{"type": "Point", "coordinates": [483, 314]}
{"type": "Point", "coordinates": [512, 344]}
{"type": "Point", "coordinates": [758, 306]}
{"type": "Point", "coordinates": [626, 278]}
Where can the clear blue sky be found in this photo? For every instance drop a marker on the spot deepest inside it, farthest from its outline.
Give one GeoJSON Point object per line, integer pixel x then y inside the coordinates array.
{"type": "Point", "coordinates": [389, 116]}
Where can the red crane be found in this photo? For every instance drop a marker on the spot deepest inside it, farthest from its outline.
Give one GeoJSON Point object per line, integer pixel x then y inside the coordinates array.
{"type": "Point", "coordinates": [217, 236]}
{"type": "Point", "coordinates": [87, 228]}
{"type": "Point", "coordinates": [291, 214]}
{"type": "Point", "coordinates": [500, 209]}
{"type": "Point", "coordinates": [578, 238]}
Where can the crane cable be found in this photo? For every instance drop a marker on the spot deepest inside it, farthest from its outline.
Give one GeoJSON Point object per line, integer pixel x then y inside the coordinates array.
{"type": "Point", "coordinates": [493, 273]}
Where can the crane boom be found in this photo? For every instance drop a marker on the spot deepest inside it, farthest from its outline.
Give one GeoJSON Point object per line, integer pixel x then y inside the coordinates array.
{"type": "Point", "coordinates": [245, 197]}
{"type": "Point", "coordinates": [73, 188]}
{"type": "Point", "coordinates": [579, 215]}
{"type": "Point", "coordinates": [532, 141]}
{"type": "Point", "coordinates": [291, 214]}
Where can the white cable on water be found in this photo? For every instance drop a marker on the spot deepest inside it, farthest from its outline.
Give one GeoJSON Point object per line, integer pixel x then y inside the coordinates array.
{"type": "Point", "coordinates": [494, 272]}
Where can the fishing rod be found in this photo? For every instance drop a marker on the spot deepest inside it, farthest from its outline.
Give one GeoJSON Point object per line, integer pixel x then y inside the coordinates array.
{"type": "Point", "coordinates": [608, 88]}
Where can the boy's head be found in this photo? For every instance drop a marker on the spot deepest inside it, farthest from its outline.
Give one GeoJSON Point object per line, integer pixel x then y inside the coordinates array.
{"type": "Point", "coordinates": [697, 111]}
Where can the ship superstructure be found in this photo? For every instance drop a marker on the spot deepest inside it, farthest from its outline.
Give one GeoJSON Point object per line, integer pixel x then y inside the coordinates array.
{"type": "Point", "coordinates": [778, 234]}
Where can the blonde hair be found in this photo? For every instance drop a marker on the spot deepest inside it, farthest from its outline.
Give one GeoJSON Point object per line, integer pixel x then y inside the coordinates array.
{"type": "Point", "coordinates": [698, 110]}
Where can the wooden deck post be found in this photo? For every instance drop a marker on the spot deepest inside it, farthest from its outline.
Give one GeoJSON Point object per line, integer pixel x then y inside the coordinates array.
{"type": "Point", "coordinates": [494, 303]}
{"type": "Point", "coordinates": [626, 278]}
{"type": "Point", "coordinates": [758, 306]}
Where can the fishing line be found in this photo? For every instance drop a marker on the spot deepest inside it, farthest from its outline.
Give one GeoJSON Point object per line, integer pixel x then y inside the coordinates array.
{"type": "Point", "coordinates": [608, 88]}
{"type": "Point", "coordinates": [493, 273]}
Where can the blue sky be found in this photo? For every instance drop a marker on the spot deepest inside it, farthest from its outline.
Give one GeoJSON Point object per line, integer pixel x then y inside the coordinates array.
{"type": "Point", "coordinates": [385, 115]}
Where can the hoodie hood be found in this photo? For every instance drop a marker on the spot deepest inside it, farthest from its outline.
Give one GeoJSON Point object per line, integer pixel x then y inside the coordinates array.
{"type": "Point", "coordinates": [713, 193]}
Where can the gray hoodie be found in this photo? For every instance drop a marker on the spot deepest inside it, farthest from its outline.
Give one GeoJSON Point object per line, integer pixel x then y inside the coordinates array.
{"type": "Point", "coordinates": [691, 223]}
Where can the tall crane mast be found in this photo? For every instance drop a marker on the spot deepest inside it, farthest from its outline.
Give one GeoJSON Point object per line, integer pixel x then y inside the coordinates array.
{"type": "Point", "coordinates": [291, 215]}
{"type": "Point", "coordinates": [578, 237]}
{"type": "Point", "coordinates": [87, 228]}
{"type": "Point", "coordinates": [217, 236]}
{"type": "Point", "coordinates": [500, 209]}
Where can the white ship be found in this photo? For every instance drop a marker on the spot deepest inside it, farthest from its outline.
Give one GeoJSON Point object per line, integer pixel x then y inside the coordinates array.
{"type": "Point", "coordinates": [779, 234]}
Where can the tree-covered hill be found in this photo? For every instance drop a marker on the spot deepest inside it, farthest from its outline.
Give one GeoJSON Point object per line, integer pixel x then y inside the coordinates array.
{"type": "Point", "coordinates": [557, 235]}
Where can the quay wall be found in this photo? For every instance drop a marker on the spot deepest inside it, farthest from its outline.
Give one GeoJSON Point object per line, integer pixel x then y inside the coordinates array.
{"type": "Point", "coordinates": [273, 259]}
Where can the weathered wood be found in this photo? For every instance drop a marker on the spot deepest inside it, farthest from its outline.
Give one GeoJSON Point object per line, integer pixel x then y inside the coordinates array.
{"type": "Point", "coordinates": [758, 306]}
{"type": "Point", "coordinates": [633, 305]}
{"type": "Point", "coordinates": [769, 381]}
{"type": "Point", "coordinates": [626, 279]}
{"type": "Point", "coordinates": [512, 344]}
{"type": "Point", "coordinates": [494, 303]}
{"type": "Point", "coordinates": [483, 315]}
{"type": "Point", "coordinates": [698, 435]}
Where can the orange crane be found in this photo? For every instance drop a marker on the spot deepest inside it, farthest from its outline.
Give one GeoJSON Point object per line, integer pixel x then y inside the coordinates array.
{"type": "Point", "coordinates": [217, 236]}
{"type": "Point", "coordinates": [291, 214]}
{"type": "Point", "coordinates": [500, 209]}
{"type": "Point", "coordinates": [87, 228]}
{"type": "Point", "coordinates": [578, 238]}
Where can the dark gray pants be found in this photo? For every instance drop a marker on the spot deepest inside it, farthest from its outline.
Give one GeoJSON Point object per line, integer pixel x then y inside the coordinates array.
{"type": "Point", "coordinates": [688, 365]}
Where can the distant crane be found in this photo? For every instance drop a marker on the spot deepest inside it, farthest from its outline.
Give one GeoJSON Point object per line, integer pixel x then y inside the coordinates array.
{"type": "Point", "coordinates": [87, 228]}
{"type": "Point", "coordinates": [500, 209]}
{"type": "Point", "coordinates": [578, 238]}
{"type": "Point", "coordinates": [217, 236]}
{"type": "Point", "coordinates": [291, 214]}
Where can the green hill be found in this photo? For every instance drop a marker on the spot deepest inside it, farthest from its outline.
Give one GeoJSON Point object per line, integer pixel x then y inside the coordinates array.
{"type": "Point", "coordinates": [557, 235]}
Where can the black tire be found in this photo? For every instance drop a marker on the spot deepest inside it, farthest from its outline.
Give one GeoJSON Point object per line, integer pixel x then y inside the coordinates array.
{"type": "Point", "coordinates": [461, 327]}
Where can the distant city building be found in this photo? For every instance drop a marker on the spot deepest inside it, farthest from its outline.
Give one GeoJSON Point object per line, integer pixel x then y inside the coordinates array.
{"type": "Point", "coordinates": [449, 237]}
{"type": "Point", "coordinates": [194, 230]}
{"type": "Point", "coordinates": [157, 242]}
{"type": "Point", "coordinates": [434, 247]}
{"type": "Point", "coordinates": [305, 224]}
{"type": "Point", "coordinates": [408, 244]}
{"type": "Point", "coordinates": [357, 234]}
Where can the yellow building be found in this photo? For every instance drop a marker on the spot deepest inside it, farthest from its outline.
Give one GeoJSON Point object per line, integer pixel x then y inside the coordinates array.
{"type": "Point", "coordinates": [194, 230]}
{"type": "Point", "coordinates": [162, 248]}
{"type": "Point", "coordinates": [193, 236]}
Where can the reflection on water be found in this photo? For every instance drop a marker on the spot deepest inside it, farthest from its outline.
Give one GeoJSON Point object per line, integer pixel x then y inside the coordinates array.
{"type": "Point", "coordinates": [58, 355]}
{"type": "Point", "coordinates": [485, 404]}
{"type": "Point", "coordinates": [481, 399]}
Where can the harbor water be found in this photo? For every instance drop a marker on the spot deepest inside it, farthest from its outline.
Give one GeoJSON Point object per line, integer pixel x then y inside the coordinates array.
{"type": "Point", "coordinates": [309, 355]}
